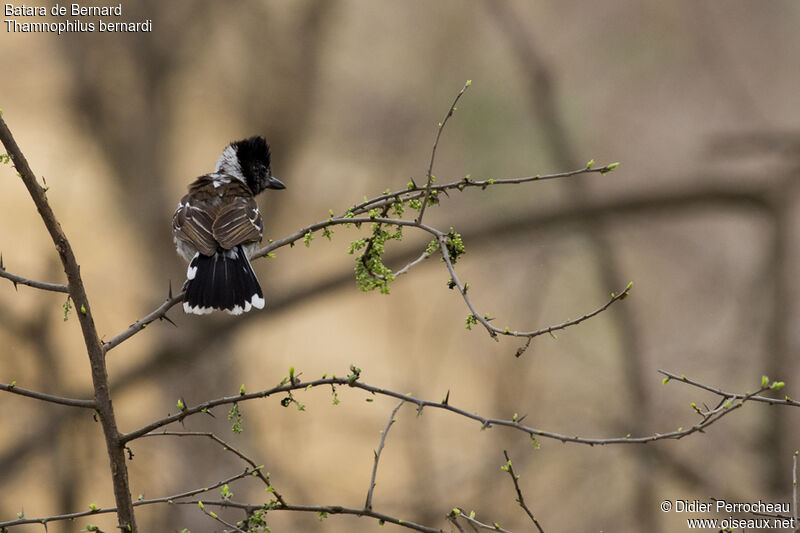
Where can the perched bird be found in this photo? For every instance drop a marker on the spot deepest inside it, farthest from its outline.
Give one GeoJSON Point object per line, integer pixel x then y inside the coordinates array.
{"type": "Point", "coordinates": [217, 226]}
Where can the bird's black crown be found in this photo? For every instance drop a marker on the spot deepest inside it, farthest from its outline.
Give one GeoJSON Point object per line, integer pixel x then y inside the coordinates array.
{"type": "Point", "coordinates": [254, 160]}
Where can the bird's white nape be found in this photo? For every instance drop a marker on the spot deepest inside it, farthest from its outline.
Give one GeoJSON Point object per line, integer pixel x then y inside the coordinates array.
{"type": "Point", "coordinates": [228, 163]}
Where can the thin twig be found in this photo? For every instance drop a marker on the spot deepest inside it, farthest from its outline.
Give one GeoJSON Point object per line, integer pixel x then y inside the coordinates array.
{"type": "Point", "coordinates": [257, 470]}
{"type": "Point", "coordinates": [520, 499]}
{"type": "Point", "coordinates": [457, 512]}
{"type": "Point", "coordinates": [43, 285]}
{"type": "Point", "coordinates": [318, 509]}
{"type": "Point", "coordinates": [411, 264]}
{"type": "Point", "coordinates": [72, 402]}
{"type": "Point", "coordinates": [429, 175]}
{"type": "Point", "coordinates": [737, 395]}
{"type": "Point", "coordinates": [159, 313]}
{"type": "Point", "coordinates": [215, 516]}
{"type": "Point", "coordinates": [105, 510]}
{"type": "Point", "coordinates": [368, 504]}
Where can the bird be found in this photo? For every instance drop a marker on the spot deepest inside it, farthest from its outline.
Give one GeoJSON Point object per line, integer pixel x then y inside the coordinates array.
{"type": "Point", "coordinates": [217, 227]}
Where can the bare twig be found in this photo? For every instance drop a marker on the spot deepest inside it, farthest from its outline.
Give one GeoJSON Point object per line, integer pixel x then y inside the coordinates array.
{"type": "Point", "coordinates": [105, 510]}
{"type": "Point", "coordinates": [322, 510]}
{"type": "Point", "coordinates": [43, 285]}
{"type": "Point", "coordinates": [256, 469]}
{"type": "Point", "coordinates": [158, 314]}
{"type": "Point", "coordinates": [368, 503]}
{"type": "Point", "coordinates": [520, 499]}
{"type": "Point", "coordinates": [72, 402]}
{"type": "Point", "coordinates": [429, 176]}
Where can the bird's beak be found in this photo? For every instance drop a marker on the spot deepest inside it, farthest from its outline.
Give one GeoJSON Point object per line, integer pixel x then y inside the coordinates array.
{"type": "Point", "coordinates": [275, 183]}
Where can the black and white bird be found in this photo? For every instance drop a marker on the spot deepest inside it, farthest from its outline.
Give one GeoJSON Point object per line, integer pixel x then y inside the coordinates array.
{"type": "Point", "coordinates": [217, 226]}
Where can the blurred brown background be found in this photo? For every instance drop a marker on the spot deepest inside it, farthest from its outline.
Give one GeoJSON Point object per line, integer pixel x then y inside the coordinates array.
{"type": "Point", "coordinates": [697, 100]}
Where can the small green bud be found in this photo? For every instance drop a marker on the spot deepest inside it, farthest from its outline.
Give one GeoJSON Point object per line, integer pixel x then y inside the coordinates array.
{"type": "Point", "coordinates": [590, 163]}
{"type": "Point", "coordinates": [777, 385]}
{"type": "Point", "coordinates": [764, 381]}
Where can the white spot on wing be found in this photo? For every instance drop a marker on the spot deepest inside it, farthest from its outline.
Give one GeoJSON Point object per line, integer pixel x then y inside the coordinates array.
{"type": "Point", "coordinates": [257, 301]}
{"type": "Point", "coordinates": [191, 272]}
{"type": "Point", "coordinates": [196, 310]}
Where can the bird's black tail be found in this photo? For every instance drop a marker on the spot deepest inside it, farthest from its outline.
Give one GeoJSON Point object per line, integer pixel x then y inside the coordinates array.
{"type": "Point", "coordinates": [223, 281]}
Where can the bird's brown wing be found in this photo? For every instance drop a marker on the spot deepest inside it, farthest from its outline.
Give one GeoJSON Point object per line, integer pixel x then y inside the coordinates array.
{"type": "Point", "coordinates": [193, 220]}
{"type": "Point", "coordinates": [238, 222]}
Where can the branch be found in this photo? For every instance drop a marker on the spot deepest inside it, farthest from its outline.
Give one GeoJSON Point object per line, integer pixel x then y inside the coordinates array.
{"type": "Point", "coordinates": [318, 509]}
{"type": "Point", "coordinates": [429, 176]}
{"type": "Point", "coordinates": [392, 420]}
{"type": "Point", "coordinates": [739, 396]}
{"type": "Point", "coordinates": [94, 347]}
{"type": "Point", "coordinates": [404, 195]}
{"type": "Point", "coordinates": [457, 513]}
{"type": "Point", "coordinates": [160, 313]}
{"type": "Point", "coordinates": [257, 470]}
{"type": "Point", "coordinates": [105, 510]}
{"type": "Point", "coordinates": [709, 418]}
{"type": "Point", "coordinates": [520, 499]}
{"type": "Point", "coordinates": [43, 285]}
{"type": "Point", "coordinates": [12, 387]}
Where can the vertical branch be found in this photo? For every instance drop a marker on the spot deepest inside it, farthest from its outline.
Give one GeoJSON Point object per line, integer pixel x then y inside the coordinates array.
{"type": "Point", "coordinates": [94, 347]}
{"type": "Point", "coordinates": [368, 503]}
{"type": "Point", "coordinates": [429, 176]}
{"type": "Point", "coordinates": [520, 499]}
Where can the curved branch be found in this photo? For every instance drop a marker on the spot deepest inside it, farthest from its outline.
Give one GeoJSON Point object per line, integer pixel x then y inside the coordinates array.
{"type": "Point", "coordinates": [728, 405]}
{"type": "Point", "coordinates": [319, 509]}
{"type": "Point", "coordinates": [94, 347]}
{"type": "Point", "coordinates": [105, 510]}
{"type": "Point", "coordinates": [429, 176]}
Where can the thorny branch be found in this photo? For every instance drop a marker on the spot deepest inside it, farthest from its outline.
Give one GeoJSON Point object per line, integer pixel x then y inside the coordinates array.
{"type": "Point", "coordinates": [104, 510]}
{"type": "Point", "coordinates": [256, 469]}
{"type": "Point", "coordinates": [94, 347]}
{"type": "Point", "coordinates": [728, 405]}
{"type": "Point", "coordinates": [43, 285]}
{"type": "Point", "coordinates": [392, 419]}
{"type": "Point", "coordinates": [429, 177]}
{"type": "Point", "coordinates": [520, 499]}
